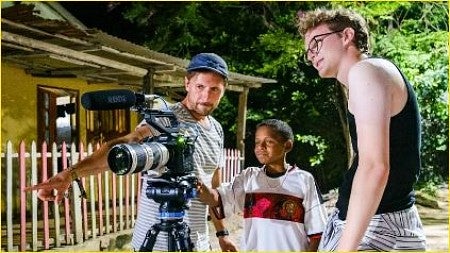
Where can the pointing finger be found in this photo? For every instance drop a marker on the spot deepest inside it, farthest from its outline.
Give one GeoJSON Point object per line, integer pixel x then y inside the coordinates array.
{"type": "Point", "coordinates": [43, 186]}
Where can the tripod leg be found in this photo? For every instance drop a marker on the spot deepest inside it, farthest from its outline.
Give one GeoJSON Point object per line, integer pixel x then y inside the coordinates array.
{"type": "Point", "coordinates": [171, 241]}
{"type": "Point", "coordinates": [150, 239]}
{"type": "Point", "coordinates": [179, 238]}
{"type": "Point", "coordinates": [186, 237]}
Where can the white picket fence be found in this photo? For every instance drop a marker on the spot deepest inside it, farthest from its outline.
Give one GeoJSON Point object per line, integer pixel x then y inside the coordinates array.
{"type": "Point", "coordinates": [29, 224]}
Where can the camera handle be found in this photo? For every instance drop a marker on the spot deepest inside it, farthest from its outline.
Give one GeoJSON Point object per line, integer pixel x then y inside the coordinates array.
{"type": "Point", "coordinates": [178, 233]}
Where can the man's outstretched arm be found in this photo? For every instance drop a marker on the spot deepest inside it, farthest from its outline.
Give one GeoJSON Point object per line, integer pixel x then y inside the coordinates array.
{"type": "Point", "coordinates": [95, 163]}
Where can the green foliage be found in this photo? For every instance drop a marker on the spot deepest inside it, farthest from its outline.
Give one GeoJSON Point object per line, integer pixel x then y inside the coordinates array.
{"type": "Point", "coordinates": [260, 38]}
{"type": "Point", "coordinates": [316, 142]}
{"type": "Point", "coordinates": [228, 114]}
{"type": "Point", "coordinates": [419, 46]}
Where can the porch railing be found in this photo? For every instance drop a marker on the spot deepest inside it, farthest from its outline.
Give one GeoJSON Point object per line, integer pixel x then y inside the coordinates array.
{"type": "Point", "coordinates": [29, 224]}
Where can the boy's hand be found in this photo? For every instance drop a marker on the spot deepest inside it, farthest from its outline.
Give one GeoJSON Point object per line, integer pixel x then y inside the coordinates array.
{"type": "Point", "coordinates": [206, 195]}
{"type": "Point", "coordinates": [227, 245]}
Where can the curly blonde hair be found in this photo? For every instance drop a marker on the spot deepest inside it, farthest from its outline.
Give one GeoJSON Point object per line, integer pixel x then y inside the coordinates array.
{"type": "Point", "coordinates": [336, 20]}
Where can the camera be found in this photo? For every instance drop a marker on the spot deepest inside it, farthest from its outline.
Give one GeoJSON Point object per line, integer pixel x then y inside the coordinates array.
{"type": "Point", "coordinates": [172, 149]}
{"type": "Point", "coordinates": [168, 154]}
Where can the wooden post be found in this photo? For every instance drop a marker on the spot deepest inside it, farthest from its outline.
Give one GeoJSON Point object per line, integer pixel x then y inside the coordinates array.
{"type": "Point", "coordinates": [77, 217]}
{"type": "Point", "coordinates": [241, 123]}
{"type": "Point", "coordinates": [114, 202]}
{"type": "Point", "coordinates": [56, 214]}
{"type": "Point", "coordinates": [23, 201]}
{"type": "Point", "coordinates": [84, 201]}
{"type": "Point", "coordinates": [148, 86]}
{"type": "Point", "coordinates": [9, 196]}
{"type": "Point", "coordinates": [66, 200]}
{"type": "Point", "coordinates": [107, 197]}
{"type": "Point", "coordinates": [127, 203]}
{"type": "Point", "coordinates": [100, 203]}
{"type": "Point", "coordinates": [34, 198]}
{"type": "Point", "coordinates": [120, 185]}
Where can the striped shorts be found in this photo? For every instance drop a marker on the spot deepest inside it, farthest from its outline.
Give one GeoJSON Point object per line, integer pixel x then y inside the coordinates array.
{"type": "Point", "coordinates": [395, 231]}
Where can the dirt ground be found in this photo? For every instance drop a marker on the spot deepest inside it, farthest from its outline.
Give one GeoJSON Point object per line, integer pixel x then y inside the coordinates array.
{"type": "Point", "coordinates": [435, 222]}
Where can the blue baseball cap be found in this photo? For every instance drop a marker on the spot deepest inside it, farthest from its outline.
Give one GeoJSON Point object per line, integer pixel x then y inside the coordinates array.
{"type": "Point", "coordinates": [208, 61]}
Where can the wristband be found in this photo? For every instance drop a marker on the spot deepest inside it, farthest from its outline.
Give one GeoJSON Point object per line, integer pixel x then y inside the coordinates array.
{"type": "Point", "coordinates": [222, 233]}
{"type": "Point", "coordinates": [74, 177]}
{"type": "Point", "coordinates": [73, 173]}
{"type": "Point", "coordinates": [218, 210]}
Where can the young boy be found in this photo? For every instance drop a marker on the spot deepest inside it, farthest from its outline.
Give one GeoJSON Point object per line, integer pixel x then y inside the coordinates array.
{"type": "Point", "coordinates": [280, 203]}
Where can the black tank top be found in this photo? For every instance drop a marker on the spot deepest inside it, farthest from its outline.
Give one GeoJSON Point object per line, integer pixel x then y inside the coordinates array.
{"type": "Point", "coordinates": [404, 158]}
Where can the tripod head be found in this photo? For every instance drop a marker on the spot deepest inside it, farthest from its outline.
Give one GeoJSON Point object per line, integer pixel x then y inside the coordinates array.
{"type": "Point", "coordinates": [172, 193]}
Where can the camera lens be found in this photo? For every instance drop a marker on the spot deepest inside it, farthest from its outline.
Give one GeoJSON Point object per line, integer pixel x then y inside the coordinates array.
{"type": "Point", "coordinates": [134, 157]}
{"type": "Point", "coordinates": [121, 161]}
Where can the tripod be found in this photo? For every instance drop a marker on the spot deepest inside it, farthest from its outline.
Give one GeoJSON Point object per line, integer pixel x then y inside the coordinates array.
{"type": "Point", "coordinates": [178, 236]}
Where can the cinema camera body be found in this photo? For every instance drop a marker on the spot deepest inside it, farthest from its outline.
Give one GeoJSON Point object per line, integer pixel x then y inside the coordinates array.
{"type": "Point", "coordinates": [169, 154]}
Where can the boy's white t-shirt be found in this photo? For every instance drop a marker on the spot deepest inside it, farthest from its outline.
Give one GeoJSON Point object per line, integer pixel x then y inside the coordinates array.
{"type": "Point", "coordinates": [280, 214]}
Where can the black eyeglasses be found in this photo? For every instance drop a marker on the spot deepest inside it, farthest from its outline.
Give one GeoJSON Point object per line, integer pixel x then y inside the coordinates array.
{"type": "Point", "coordinates": [316, 44]}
